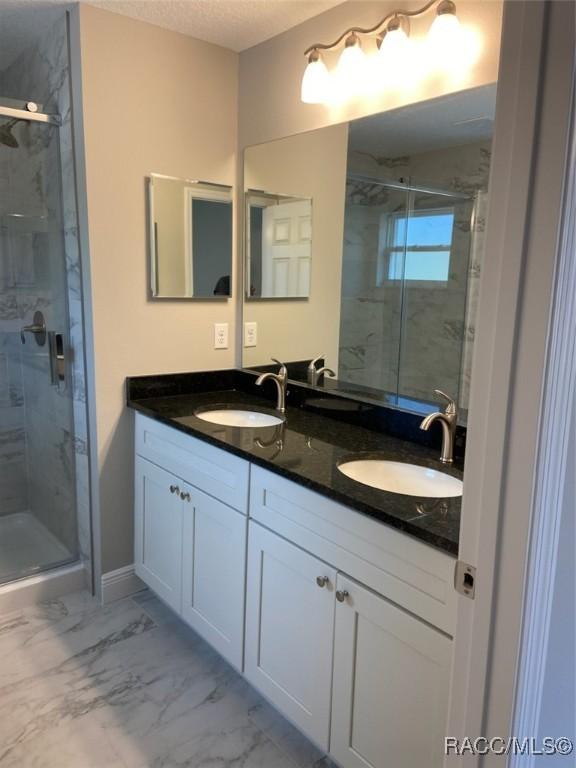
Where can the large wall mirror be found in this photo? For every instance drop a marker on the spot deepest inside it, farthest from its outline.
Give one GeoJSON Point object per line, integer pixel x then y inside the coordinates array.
{"type": "Point", "coordinates": [190, 238]}
{"type": "Point", "coordinates": [395, 254]}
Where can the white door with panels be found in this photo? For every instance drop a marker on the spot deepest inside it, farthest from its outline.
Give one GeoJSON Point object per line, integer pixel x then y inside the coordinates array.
{"type": "Point", "coordinates": [158, 524]}
{"type": "Point", "coordinates": [390, 685]}
{"type": "Point", "coordinates": [286, 249]}
{"type": "Point", "coordinates": [213, 572]}
{"type": "Point", "coordinates": [289, 630]}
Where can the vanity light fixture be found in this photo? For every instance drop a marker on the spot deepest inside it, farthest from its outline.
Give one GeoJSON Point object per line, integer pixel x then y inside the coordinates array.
{"type": "Point", "coordinates": [392, 37]}
{"type": "Point", "coordinates": [446, 23]}
{"type": "Point", "coordinates": [393, 43]}
{"type": "Point", "coordinates": [351, 67]}
{"type": "Point", "coordinates": [316, 83]}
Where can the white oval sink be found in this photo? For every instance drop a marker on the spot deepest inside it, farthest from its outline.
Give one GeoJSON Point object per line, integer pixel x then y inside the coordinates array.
{"type": "Point", "coordinates": [397, 477]}
{"type": "Point", "coordinates": [237, 417]}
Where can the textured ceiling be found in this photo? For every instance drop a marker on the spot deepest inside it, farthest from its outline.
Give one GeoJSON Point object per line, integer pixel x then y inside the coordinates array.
{"type": "Point", "coordinates": [235, 24]}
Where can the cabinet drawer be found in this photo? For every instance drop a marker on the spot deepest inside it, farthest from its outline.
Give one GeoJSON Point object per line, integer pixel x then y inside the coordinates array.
{"type": "Point", "coordinates": [406, 571]}
{"type": "Point", "coordinates": [210, 469]}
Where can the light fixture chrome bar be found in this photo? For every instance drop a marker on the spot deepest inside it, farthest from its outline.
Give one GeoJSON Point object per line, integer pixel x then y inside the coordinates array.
{"type": "Point", "coordinates": [447, 4]}
{"type": "Point", "coordinates": [33, 117]}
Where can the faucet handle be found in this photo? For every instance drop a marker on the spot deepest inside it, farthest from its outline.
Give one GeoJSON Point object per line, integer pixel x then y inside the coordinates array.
{"type": "Point", "coordinates": [451, 404]}
{"type": "Point", "coordinates": [312, 365]}
{"type": "Point", "coordinates": [283, 372]}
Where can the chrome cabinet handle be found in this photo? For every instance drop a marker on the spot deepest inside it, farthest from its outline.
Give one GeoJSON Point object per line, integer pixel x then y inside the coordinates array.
{"type": "Point", "coordinates": [185, 496]}
{"type": "Point", "coordinates": [341, 595]}
{"type": "Point", "coordinates": [174, 489]}
{"type": "Point", "coordinates": [322, 581]}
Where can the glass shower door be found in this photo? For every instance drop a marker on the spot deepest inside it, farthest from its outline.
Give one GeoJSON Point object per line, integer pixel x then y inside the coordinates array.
{"type": "Point", "coordinates": [371, 296]}
{"type": "Point", "coordinates": [435, 287]}
{"type": "Point", "coordinates": [38, 517]}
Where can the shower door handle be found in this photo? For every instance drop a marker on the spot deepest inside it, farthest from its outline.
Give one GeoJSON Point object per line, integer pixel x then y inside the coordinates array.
{"type": "Point", "coordinates": [37, 328]}
{"type": "Point", "coordinates": [57, 358]}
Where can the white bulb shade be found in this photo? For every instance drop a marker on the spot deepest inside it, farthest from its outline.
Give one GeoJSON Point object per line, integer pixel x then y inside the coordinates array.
{"type": "Point", "coordinates": [351, 71]}
{"type": "Point", "coordinates": [316, 83]}
{"type": "Point", "coordinates": [394, 47]}
{"type": "Point", "coordinates": [444, 35]}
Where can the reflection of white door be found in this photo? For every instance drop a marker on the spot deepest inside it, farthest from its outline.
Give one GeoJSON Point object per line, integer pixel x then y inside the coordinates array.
{"type": "Point", "coordinates": [286, 249]}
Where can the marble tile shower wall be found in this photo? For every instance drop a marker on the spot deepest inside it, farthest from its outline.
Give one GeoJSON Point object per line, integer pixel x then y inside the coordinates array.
{"type": "Point", "coordinates": [372, 311]}
{"type": "Point", "coordinates": [40, 269]}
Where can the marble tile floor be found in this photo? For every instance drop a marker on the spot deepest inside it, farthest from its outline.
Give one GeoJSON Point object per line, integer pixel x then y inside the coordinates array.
{"type": "Point", "coordinates": [128, 685]}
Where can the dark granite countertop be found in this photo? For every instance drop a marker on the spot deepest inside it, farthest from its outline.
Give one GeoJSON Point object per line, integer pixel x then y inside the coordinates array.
{"type": "Point", "coordinates": [307, 449]}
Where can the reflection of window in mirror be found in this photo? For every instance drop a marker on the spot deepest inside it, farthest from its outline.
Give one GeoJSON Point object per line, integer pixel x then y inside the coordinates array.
{"type": "Point", "coordinates": [279, 246]}
{"type": "Point", "coordinates": [191, 238]}
{"type": "Point", "coordinates": [417, 247]}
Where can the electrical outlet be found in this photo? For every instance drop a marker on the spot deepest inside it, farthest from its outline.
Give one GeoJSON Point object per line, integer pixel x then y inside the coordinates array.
{"type": "Point", "coordinates": [250, 334]}
{"type": "Point", "coordinates": [220, 335]}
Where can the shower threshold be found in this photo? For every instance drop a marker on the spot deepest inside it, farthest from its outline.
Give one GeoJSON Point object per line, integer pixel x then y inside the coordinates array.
{"type": "Point", "coordinates": [27, 547]}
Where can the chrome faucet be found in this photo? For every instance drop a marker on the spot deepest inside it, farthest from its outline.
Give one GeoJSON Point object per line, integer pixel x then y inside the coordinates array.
{"type": "Point", "coordinates": [313, 373]}
{"type": "Point", "coordinates": [281, 381]}
{"type": "Point", "coordinates": [448, 419]}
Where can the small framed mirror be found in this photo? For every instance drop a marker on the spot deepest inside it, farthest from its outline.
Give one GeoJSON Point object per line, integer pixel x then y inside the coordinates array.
{"type": "Point", "coordinates": [190, 238]}
{"type": "Point", "coordinates": [278, 245]}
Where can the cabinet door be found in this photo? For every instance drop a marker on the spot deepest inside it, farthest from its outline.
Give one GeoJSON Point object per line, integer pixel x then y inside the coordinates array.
{"type": "Point", "coordinates": [214, 572]}
{"type": "Point", "coordinates": [158, 531]}
{"type": "Point", "coordinates": [390, 687]}
{"type": "Point", "coordinates": [289, 630]}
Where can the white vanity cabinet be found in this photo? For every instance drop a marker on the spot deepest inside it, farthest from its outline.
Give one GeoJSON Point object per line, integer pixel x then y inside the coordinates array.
{"type": "Point", "coordinates": [344, 624]}
{"type": "Point", "coordinates": [390, 684]}
{"type": "Point", "coordinates": [289, 627]}
{"type": "Point", "coordinates": [190, 546]}
{"type": "Point", "coordinates": [213, 568]}
{"type": "Point", "coordinates": [158, 527]}
{"type": "Point", "coordinates": [387, 693]}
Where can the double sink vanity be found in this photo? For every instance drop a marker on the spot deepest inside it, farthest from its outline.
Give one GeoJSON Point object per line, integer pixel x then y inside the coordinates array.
{"type": "Point", "coordinates": [313, 551]}
{"type": "Point", "coordinates": [305, 520]}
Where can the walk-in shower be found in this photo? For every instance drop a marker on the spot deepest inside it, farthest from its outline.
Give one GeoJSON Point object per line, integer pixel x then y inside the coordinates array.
{"type": "Point", "coordinates": [38, 488]}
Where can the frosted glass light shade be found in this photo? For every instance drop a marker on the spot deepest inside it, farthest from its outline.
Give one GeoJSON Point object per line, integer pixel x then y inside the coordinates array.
{"type": "Point", "coordinates": [394, 47]}
{"type": "Point", "coordinates": [316, 83]}
{"type": "Point", "coordinates": [351, 70]}
{"type": "Point", "coordinates": [444, 34]}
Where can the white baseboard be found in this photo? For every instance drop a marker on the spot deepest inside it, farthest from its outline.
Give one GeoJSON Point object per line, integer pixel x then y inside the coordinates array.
{"type": "Point", "coordinates": [120, 583]}
{"type": "Point", "coordinates": [43, 587]}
